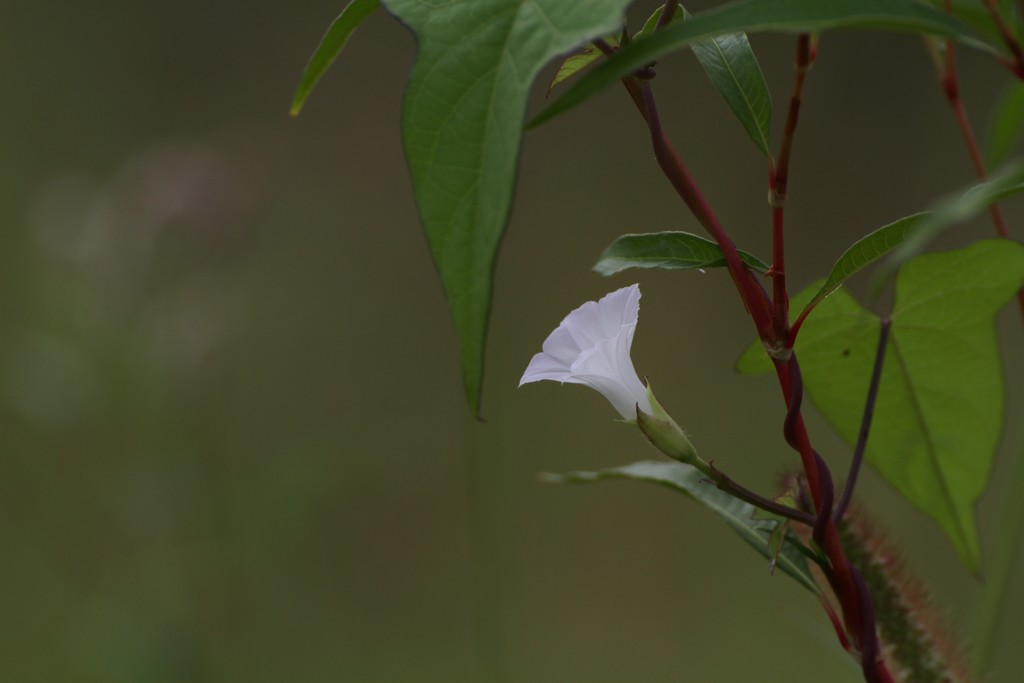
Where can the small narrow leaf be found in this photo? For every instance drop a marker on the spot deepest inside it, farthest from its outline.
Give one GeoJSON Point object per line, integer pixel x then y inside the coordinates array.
{"type": "Point", "coordinates": [667, 250]}
{"type": "Point", "coordinates": [737, 514]}
{"type": "Point", "coordinates": [777, 539]}
{"type": "Point", "coordinates": [751, 16]}
{"type": "Point", "coordinates": [776, 542]}
{"type": "Point", "coordinates": [575, 63]}
{"type": "Point", "coordinates": [939, 409]}
{"type": "Point", "coordinates": [732, 67]}
{"type": "Point", "coordinates": [462, 124]}
{"type": "Point", "coordinates": [912, 233]}
{"type": "Point", "coordinates": [652, 21]}
{"type": "Point", "coordinates": [864, 252]}
{"type": "Point", "coordinates": [955, 210]}
{"type": "Point", "coordinates": [1007, 124]}
{"type": "Point", "coordinates": [330, 47]}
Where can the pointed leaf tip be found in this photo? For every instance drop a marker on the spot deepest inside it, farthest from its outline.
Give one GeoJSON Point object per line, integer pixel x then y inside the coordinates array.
{"type": "Point", "coordinates": [732, 67]}
{"type": "Point", "coordinates": [462, 125]}
{"type": "Point", "coordinates": [330, 47]}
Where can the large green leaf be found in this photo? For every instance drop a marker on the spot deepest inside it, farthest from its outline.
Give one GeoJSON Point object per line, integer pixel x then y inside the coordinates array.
{"type": "Point", "coordinates": [462, 123]}
{"type": "Point", "coordinates": [737, 514]}
{"type": "Point", "coordinates": [939, 409]}
{"type": "Point", "coordinates": [752, 16]}
{"type": "Point", "coordinates": [330, 47]}
{"type": "Point", "coordinates": [667, 250]}
{"type": "Point", "coordinates": [1007, 124]}
{"type": "Point", "coordinates": [730, 63]}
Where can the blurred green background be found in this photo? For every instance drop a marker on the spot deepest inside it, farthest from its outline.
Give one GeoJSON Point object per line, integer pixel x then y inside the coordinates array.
{"type": "Point", "coordinates": [235, 446]}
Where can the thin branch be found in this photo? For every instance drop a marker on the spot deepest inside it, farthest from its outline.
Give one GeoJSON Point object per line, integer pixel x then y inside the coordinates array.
{"type": "Point", "coordinates": [723, 482]}
{"type": "Point", "coordinates": [756, 302]}
{"type": "Point", "coordinates": [865, 423]}
{"type": "Point", "coordinates": [679, 175]}
{"type": "Point", "coordinates": [668, 11]}
{"type": "Point", "coordinates": [842, 576]}
{"type": "Point", "coordinates": [602, 45]}
{"type": "Point", "coordinates": [779, 184]}
{"type": "Point", "coordinates": [951, 89]}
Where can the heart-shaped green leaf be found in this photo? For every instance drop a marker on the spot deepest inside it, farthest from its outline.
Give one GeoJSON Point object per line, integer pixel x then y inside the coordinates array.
{"type": "Point", "coordinates": [939, 410]}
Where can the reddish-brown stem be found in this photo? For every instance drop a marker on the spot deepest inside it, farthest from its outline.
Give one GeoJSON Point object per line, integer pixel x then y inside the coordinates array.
{"type": "Point", "coordinates": [795, 329]}
{"type": "Point", "coordinates": [951, 89]}
{"type": "Point", "coordinates": [819, 479]}
{"type": "Point", "coordinates": [852, 598]}
{"type": "Point", "coordinates": [837, 624]}
{"type": "Point", "coordinates": [872, 666]}
{"type": "Point", "coordinates": [778, 187]}
{"type": "Point", "coordinates": [679, 175]}
{"type": "Point", "coordinates": [602, 45]}
{"type": "Point", "coordinates": [858, 615]}
{"type": "Point", "coordinates": [667, 12]}
{"type": "Point", "coordinates": [629, 82]}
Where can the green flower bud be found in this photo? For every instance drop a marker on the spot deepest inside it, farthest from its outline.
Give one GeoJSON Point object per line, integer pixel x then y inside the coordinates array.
{"type": "Point", "coordinates": [662, 431]}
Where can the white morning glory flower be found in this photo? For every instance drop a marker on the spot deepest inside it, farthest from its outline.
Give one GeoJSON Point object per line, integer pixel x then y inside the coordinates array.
{"type": "Point", "coordinates": [591, 347]}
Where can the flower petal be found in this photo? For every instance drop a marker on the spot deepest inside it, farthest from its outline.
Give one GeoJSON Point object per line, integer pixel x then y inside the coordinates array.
{"type": "Point", "coordinates": [561, 345]}
{"type": "Point", "coordinates": [545, 366]}
{"type": "Point", "coordinates": [608, 369]}
{"type": "Point", "coordinates": [594, 321]}
{"type": "Point", "coordinates": [591, 347]}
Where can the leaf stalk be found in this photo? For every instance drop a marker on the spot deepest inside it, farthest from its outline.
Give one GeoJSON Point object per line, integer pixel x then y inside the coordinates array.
{"type": "Point", "coordinates": [865, 425]}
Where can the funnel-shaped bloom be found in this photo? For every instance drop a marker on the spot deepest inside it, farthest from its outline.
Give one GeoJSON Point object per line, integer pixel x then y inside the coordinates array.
{"type": "Point", "coordinates": [591, 347]}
